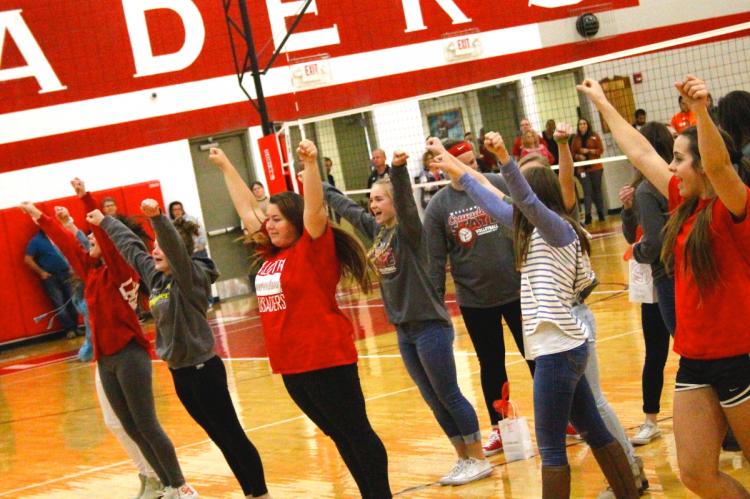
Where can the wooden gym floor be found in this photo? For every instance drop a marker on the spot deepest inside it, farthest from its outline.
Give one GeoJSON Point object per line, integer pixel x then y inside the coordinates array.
{"type": "Point", "coordinates": [53, 442]}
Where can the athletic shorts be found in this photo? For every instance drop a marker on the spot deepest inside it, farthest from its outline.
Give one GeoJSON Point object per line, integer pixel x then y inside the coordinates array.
{"type": "Point", "coordinates": [729, 377]}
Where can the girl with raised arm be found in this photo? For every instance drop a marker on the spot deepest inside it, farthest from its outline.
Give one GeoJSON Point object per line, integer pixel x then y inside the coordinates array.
{"type": "Point", "coordinates": [414, 306]}
{"type": "Point", "coordinates": [179, 282]}
{"type": "Point", "coordinates": [120, 348]}
{"type": "Point", "coordinates": [304, 259]}
{"type": "Point", "coordinates": [551, 250]}
{"type": "Point", "coordinates": [706, 243]}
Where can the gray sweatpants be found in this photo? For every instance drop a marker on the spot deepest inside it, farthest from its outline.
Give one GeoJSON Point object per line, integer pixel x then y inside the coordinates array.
{"type": "Point", "coordinates": [126, 379]}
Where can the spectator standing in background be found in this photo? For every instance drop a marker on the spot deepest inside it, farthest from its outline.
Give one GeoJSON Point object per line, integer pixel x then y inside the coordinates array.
{"type": "Point", "coordinates": [259, 192]}
{"type": "Point", "coordinates": [640, 119]}
{"type": "Point", "coordinates": [380, 169]}
{"type": "Point", "coordinates": [200, 241]}
{"type": "Point", "coordinates": [109, 206]}
{"type": "Point", "coordinates": [524, 126]}
{"type": "Point", "coordinates": [54, 272]}
{"type": "Point", "coordinates": [588, 145]}
{"type": "Point", "coordinates": [684, 119]}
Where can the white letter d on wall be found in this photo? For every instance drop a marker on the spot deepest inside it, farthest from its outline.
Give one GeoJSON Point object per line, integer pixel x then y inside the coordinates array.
{"type": "Point", "coordinates": [146, 63]}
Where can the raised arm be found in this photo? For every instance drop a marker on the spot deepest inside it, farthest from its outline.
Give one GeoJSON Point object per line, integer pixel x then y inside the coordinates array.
{"type": "Point", "coordinates": [409, 223]}
{"type": "Point", "coordinates": [715, 158]}
{"type": "Point", "coordinates": [553, 229]}
{"type": "Point", "coordinates": [244, 202]}
{"type": "Point", "coordinates": [65, 241]}
{"type": "Point", "coordinates": [315, 216]}
{"type": "Point", "coordinates": [350, 211]}
{"type": "Point", "coordinates": [566, 170]}
{"type": "Point", "coordinates": [435, 146]}
{"type": "Point", "coordinates": [128, 244]}
{"type": "Point", "coordinates": [629, 218]}
{"type": "Point", "coordinates": [484, 197]}
{"type": "Point", "coordinates": [170, 243]}
{"type": "Point", "coordinates": [635, 146]}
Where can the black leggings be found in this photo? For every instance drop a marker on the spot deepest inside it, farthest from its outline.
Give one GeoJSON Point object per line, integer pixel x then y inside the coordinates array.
{"type": "Point", "coordinates": [332, 398]}
{"type": "Point", "coordinates": [657, 348]}
{"type": "Point", "coordinates": [203, 391]}
{"type": "Point", "coordinates": [486, 331]}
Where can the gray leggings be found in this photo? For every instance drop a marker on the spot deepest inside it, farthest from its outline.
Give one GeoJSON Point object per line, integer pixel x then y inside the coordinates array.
{"type": "Point", "coordinates": [126, 379]}
{"type": "Point", "coordinates": [584, 314]}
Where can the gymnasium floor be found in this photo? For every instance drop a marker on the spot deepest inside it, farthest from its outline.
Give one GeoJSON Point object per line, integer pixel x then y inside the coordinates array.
{"type": "Point", "coordinates": [53, 442]}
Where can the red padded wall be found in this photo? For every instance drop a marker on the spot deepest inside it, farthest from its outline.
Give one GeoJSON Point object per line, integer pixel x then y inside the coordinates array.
{"type": "Point", "coordinates": [20, 293]}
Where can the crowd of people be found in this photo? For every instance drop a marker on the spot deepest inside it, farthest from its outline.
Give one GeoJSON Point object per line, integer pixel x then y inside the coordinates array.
{"type": "Point", "coordinates": [517, 252]}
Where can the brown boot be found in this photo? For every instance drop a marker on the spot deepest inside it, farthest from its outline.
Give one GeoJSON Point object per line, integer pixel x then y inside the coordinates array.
{"type": "Point", "coordinates": [614, 463]}
{"type": "Point", "coordinates": [556, 482]}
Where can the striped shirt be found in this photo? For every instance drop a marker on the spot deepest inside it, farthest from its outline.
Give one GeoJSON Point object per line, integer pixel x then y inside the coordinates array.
{"type": "Point", "coordinates": [552, 278]}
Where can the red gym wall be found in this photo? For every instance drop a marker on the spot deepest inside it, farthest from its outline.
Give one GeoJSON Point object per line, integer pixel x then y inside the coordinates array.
{"type": "Point", "coordinates": [21, 293]}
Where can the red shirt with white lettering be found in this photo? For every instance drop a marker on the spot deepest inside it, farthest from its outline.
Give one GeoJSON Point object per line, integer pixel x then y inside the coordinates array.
{"type": "Point", "coordinates": [713, 326]}
{"type": "Point", "coordinates": [303, 326]}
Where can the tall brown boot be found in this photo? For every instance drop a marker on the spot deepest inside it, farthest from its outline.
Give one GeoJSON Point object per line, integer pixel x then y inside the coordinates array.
{"type": "Point", "coordinates": [614, 463]}
{"type": "Point", "coordinates": [556, 482]}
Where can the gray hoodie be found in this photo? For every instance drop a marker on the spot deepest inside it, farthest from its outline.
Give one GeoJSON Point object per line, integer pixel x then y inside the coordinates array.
{"type": "Point", "coordinates": [179, 300]}
{"type": "Point", "coordinates": [400, 253]}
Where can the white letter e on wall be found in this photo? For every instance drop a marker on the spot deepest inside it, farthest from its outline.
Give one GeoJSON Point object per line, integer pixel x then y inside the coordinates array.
{"type": "Point", "coordinates": [146, 63]}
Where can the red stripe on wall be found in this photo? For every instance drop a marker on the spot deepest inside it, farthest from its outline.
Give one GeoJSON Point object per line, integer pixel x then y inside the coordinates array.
{"type": "Point", "coordinates": [326, 100]}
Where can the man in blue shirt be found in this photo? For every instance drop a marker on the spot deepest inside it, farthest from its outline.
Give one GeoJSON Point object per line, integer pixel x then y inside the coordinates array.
{"type": "Point", "coordinates": [54, 272]}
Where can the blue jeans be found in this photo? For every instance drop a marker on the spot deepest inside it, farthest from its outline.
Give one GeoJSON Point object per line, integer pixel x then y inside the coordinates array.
{"type": "Point", "coordinates": [59, 291]}
{"type": "Point", "coordinates": [561, 393]}
{"type": "Point", "coordinates": [427, 350]}
{"type": "Point", "coordinates": [665, 294]}
{"type": "Point", "coordinates": [86, 352]}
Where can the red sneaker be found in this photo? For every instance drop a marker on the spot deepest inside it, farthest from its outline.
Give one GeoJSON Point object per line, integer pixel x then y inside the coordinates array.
{"type": "Point", "coordinates": [570, 431]}
{"type": "Point", "coordinates": [494, 444]}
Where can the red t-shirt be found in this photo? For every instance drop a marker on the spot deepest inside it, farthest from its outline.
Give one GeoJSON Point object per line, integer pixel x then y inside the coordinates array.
{"type": "Point", "coordinates": [303, 326]}
{"type": "Point", "coordinates": [681, 121]}
{"type": "Point", "coordinates": [713, 326]}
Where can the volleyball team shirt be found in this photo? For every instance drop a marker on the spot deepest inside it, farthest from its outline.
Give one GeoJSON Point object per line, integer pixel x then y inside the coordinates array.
{"type": "Point", "coordinates": [304, 328]}
{"type": "Point", "coordinates": [712, 326]}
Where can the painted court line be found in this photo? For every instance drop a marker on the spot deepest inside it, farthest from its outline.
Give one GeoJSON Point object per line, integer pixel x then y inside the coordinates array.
{"type": "Point", "coordinates": [253, 429]}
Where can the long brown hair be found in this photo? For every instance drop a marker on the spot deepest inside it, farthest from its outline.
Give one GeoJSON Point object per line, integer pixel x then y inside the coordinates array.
{"type": "Point", "coordinates": [351, 254]}
{"type": "Point", "coordinates": [698, 256]}
{"type": "Point", "coordinates": [546, 186]}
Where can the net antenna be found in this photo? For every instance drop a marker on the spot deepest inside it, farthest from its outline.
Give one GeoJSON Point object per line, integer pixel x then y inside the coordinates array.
{"type": "Point", "coordinates": [241, 41]}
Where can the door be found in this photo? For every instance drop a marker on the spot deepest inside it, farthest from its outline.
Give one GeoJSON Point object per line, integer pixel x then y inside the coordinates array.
{"type": "Point", "coordinates": [222, 223]}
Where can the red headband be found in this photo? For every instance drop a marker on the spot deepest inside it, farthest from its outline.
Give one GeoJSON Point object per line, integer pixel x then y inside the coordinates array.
{"type": "Point", "coordinates": [460, 148]}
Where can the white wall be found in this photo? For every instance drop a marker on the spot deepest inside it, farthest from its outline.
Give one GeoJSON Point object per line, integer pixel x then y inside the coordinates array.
{"type": "Point", "coordinates": [399, 126]}
{"type": "Point", "coordinates": [169, 163]}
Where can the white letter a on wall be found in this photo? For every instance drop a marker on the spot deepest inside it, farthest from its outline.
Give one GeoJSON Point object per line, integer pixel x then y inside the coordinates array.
{"type": "Point", "coordinates": [146, 63]}
{"type": "Point", "coordinates": [37, 65]}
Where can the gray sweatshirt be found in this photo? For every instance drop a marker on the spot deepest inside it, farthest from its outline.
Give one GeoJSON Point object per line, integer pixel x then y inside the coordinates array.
{"type": "Point", "coordinates": [399, 253]}
{"type": "Point", "coordinates": [480, 249]}
{"type": "Point", "coordinates": [179, 300]}
{"type": "Point", "coordinates": [651, 213]}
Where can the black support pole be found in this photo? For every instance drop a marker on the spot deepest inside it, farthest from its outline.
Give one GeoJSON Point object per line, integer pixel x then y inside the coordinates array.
{"type": "Point", "coordinates": [260, 98]}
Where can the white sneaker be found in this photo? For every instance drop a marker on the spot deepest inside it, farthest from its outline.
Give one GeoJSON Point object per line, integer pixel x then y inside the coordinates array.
{"type": "Point", "coordinates": [183, 492]}
{"type": "Point", "coordinates": [452, 474]}
{"type": "Point", "coordinates": [647, 432]}
{"type": "Point", "coordinates": [473, 469]}
{"type": "Point", "coordinates": [153, 489]}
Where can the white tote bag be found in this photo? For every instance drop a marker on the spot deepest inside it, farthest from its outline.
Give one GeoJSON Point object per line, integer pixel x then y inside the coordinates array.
{"type": "Point", "coordinates": [641, 285]}
{"type": "Point", "coordinates": [514, 432]}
